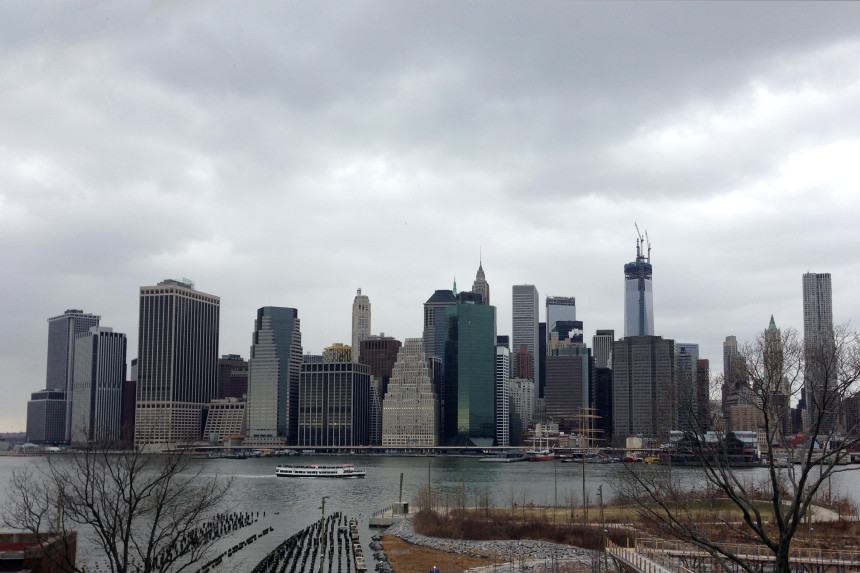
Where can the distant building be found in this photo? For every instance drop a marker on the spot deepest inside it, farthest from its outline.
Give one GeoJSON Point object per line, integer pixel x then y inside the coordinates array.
{"type": "Point", "coordinates": [568, 381]}
{"type": "Point", "coordinates": [601, 342]}
{"type": "Point", "coordinates": [524, 361]}
{"type": "Point", "coordinates": [273, 377]}
{"type": "Point", "coordinates": [379, 353]}
{"type": "Point", "coordinates": [602, 400]}
{"type": "Point", "coordinates": [410, 411]}
{"type": "Point", "coordinates": [481, 286]}
{"type": "Point", "coordinates": [470, 374]}
{"type": "Point", "coordinates": [638, 297]}
{"type": "Point", "coordinates": [643, 378]}
{"type": "Point", "coordinates": [730, 352]}
{"type": "Point", "coordinates": [98, 387]}
{"type": "Point", "coordinates": [46, 417]}
{"type": "Point", "coordinates": [232, 377]}
{"type": "Point", "coordinates": [523, 395]}
{"type": "Point", "coordinates": [225, 417]}
{"type": "Point", "coordinates": [334, 404]}
{"type": "Point", "coordinates": [524, 311]}
{"type": "Point", "coordinates": [703, 393]}
{"type": "Point", "coordinates": [558, 308]}
{"type": "Point", "coordinates": [818, 341]}
{"type": "Point", "coordinates": [62, 331]}
{"type": "Point", "coordinates": [338, 352]}
{"type": "Point", "coordinates": [503, 376]}
{"type": "Point", "coordinates": [360, 322]}
{"type": "Point", "coordinates": [687, 398]}
{"type": "Point", "coordinates": [436, 323]}
{"type": "Point", "coordinates": [177, 363]}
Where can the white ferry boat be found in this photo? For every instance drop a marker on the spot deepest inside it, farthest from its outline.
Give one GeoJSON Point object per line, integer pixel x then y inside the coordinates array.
{"type": "Point", "coordinates": [316, 470]}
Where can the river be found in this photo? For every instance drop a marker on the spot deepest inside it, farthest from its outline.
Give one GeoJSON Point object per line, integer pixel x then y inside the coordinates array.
{"type": "Point", "coordinates": [292, 504]}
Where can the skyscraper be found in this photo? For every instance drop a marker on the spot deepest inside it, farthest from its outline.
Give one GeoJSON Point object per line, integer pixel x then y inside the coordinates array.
{"type": "Point", "coordinates": [334, 404]}
{"type": "Point", "coordinates": [503, 376]}
{"type": "Point", "coordinates": [818, 342]}
{"type": "Point", "coordinates": [642, 401]}
{"type": "Point", "coordinates": [559, 308]}
{"type": "Point", "coordinates": [62, 331]}
{"type": "Point", "coordinates": [410, 411]}
{"type": "Point", "coordinates": [360, 323]}
{"type": "Point", "coordinates": [232, 377]}
{"type": "Point", "coordinates": [436, 323]}
{"type": "Point", "coordinates": [730, 352]}
{"type": "Point", "coordinates": [481, 286]}
{"type": "Point", "coordinates": [638, 299]}
{"type": "Point", "coordinates": [469, 384]}
{"type": "Point", "coordinates": [524, 311]}
{"type": "Point", "coordinates": [98, 387]}
{"type": "Point", "coordinates": [568, 378]}
{"type": "Point", "coordinates": [686, 377]}
{"type": "Point", "coordinates": [273, 377]}
{"type": "Point", "coordinates": [177, 367]}
{"type": "Point", "coordinates": [602, 343]}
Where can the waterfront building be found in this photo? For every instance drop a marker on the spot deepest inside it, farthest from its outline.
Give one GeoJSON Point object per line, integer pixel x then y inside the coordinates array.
{"type": "Point", "coordinates": [46, 417]}
{"type": "Point", "coordinates": [177, 363]}
{"type": "Point", "coordinates": [379, 353]}
{"type": "Point", "coordinates": [601, 342]}
{"type": "Point", "coordinates": [334, 405]}
{"type": "Point", "coordinates": [273, 377]}
{"type": "Point", "coordinates": [558, 308]}
{"type": "Point", "coordinates": [232, 377]}
{"type": "Point", "coordinates": [523, 395]}
{"type": "Point", "coordinates": [818, 341]}
{"type": "Point", "coordinates": [638, 297]}
{"type": "Point", "coordinates": [503, 376]}
{"type": "Point", "coordinates": [436, 323]}
{"type": "Point", "coordinates": [469, 382]}
{"type": "Point", "coordinates": [60, 375]}
{"type": "Point", "coordinates": [643, 378]}
{"type": "Point", "coordinates": [129, 402]}
{"type": "Point", "coordinates": [568, 380]}
{"type": "Point", "coordinates": [524, 311]}
{"type": "Point", "coordinates": [686, 389]}
{"type": "Point", "coordinates": [481, 286]}
{"type": "Point", "coordinates": [410, 410]}
{"type": "Point", "coordinates": [98, 386]}
{"type": "Point", "coordinates": [360, 322]}
{"type": "Point", "coordinates": [225, 417]}
{"type": "Point", "coordinates": [602, 393]}
{"type": "Point", "coordinates": [338, 352]}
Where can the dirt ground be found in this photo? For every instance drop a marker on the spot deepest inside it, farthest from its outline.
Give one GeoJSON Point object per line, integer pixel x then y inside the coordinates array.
{"type": "Point", "coordinates": [408, 558]}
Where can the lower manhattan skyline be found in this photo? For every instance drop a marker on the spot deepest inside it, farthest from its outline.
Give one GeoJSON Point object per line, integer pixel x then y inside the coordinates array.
{"type": "Point", "coordinates": [394, 148]}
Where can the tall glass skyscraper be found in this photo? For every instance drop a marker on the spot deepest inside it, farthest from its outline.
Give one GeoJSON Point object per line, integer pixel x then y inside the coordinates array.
{"type": "Point", "coordinates": [98, 387]}
{"type": "Point", "coordinates": [818, 344]}
{"type": "Point", "coordinates": [273, 377]}
{"type": "Point", "coordinates": [638, 299]}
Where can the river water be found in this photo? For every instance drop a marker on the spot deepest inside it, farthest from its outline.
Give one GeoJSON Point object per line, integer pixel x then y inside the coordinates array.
{"type": "Point", "coordinates": [293, 504]}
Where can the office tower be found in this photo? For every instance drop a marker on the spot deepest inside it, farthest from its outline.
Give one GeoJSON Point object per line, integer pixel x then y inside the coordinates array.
{"type": "Point", "coordinates": [638, 299]}
{"type": "Point", "coordinates": [62, 331]}
{"type": "Point", "coordinates": [436, 322]}
{"type": "Point", "coordinates": [379, 353]}
{"type": "Point", "coordinates": [568, 379]}
{"type": "Point", "coordinates": [177, 363]}
{"type": "Point", "coordinates": [503, 376]}
{"type": "Point", "coordinates": [602, 344]}
{"type": "Point", "coordinates": [46, 417]}
{"type": "Point", "coordinates": [410, 411]}
{"type": "Point", "coordinates": [524, 363]}
{"type": "Point", "coordinates": [779, 388]}
{"type": "Point", "coordinates": [818, 344]}
{"type": "Point", "coordinates": [334, 404]}
{"type": "Point", "coordinates": [730, 352]}
{"type": "Point", "coordinates": [525, 323]}
{"type": "Point", "coordinates": [543, 337]}
{"type": "Point", "coordinates": [703, 394]}
{"type": "Point", "coordinates": [469, 381]}
{"type": "Point", "coordinates": [523, 396]}
{"type": "Point", "coordinates": [338, 352]}
{"type": "Point", "coordinates": [273, 377]}
{"type": "Point", "coordinates": [232, 377]}
{"type": "Point", "coordinates": [360, 322]}
{"type": "Point", "coordinates": [480, 285]}
{"type": "Point", "coordinates": [602, 391]}
{"type": "Point", "coordinates": [686, 359]}
{"type": "Point", "coordinates": [98, 387]}
{"type": "Point", "coordinates": [559, 308]}
{"type": "Point", "coordinates": [643, 369]}
{"type": "Point", "coordinates": [225, 419]}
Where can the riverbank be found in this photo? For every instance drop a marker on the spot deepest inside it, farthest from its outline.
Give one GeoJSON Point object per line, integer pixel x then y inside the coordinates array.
{"type": "Point", "coordinates": [525, 555]}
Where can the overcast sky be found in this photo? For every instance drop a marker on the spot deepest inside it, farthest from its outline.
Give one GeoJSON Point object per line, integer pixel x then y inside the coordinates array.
{"type": "Point", "coordinates": [288, 153]}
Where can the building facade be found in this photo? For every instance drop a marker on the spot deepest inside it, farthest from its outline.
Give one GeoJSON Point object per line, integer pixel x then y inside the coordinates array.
{"type": "Point", "coordinates": [436, 323]}
{"type": "Point", "coordinates": [273, 377]}
{"type": "Point", "coordinates": [568, 382]}
{"type": "Point", "coordinates": [177, 368]}
{"type": "Point", "coordinates": [503, 377]}
{"type": "Point", "coordinates": [638, 296]}
{"type": "Point", "coordinates": [559, 308]}
{"type": "Point", "coordinates": [601, 342]}
{"type": "Point", "coordinates": [46, 417]}
{"type": "Point", "coordinates": [334, 405]}
{"type": "Point", "coordinates": [818, 340]}
{"type": "Point", "coordinates": [410, 410]}
{"type": "Point", "coordinates": [360, 322]}
{"type": "Point", "coordinates": [523, 395]}
{"type": "Point", "coordinates": [97, 404]}
{"type": "Point", "coordinates": [686, 388]}
{"type": "Point", "coordinates": [232, 377]}
{"type": "Point", "coordinates": [481, 286]}
{"type": "Point", "coordinates": [524, 331]}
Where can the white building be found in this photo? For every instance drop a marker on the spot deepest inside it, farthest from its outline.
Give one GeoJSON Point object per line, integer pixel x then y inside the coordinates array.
{"type": "Point", "coordinates": [360, 323]}
{"type": "Point", "coordinates": [410, 410]}
{"type": "Point", "coordinates": [503, 413]}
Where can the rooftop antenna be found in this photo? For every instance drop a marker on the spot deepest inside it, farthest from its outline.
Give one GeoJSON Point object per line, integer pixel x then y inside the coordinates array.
{"type": "Point", "coordinates": [640, 242]}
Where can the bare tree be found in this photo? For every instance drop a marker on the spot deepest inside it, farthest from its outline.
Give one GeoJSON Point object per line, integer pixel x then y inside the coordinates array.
{"type": "Point", "coordinates": [770, 373]}
{"type": "Point", "coordinates": [143, 511]}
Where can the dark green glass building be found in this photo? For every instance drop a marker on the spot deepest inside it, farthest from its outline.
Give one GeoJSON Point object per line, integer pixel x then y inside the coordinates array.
{"type": "Point", "coordinates": [469, 409]}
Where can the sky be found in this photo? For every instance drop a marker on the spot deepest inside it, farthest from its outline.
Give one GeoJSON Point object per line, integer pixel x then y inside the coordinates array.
{"type": "Point", "coordinates": [288, 153]}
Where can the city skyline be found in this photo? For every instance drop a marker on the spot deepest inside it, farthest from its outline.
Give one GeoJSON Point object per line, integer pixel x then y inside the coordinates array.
{"type": "Point", "coordinates": [395, 148]}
